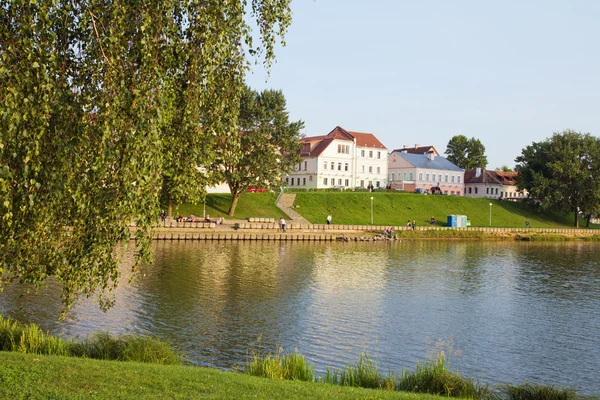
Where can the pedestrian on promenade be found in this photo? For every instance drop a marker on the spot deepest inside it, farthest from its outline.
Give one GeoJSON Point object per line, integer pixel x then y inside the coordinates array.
{"type": "Point", "coordinates": [282, 224]}
{"type": "Point", "coordinates": [414, 225]}
{"type": "Point", "coordinates": [329, 219]}
{"type": "Point", "coordinates": [526, 223]}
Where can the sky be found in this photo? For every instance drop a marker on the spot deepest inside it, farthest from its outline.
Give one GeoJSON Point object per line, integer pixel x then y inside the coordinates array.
{"type": "Point", "coordinates": [508, 73]}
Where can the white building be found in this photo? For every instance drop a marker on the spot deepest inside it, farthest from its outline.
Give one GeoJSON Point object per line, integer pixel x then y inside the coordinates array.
{"type": "Point", "coordinates": [340, 158]}
{"type": "Point", "coordinates": [425, 171]}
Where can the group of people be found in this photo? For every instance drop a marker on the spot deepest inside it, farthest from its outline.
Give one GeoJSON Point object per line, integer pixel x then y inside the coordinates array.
{"type": "Point", "coordinates": [412, 225]}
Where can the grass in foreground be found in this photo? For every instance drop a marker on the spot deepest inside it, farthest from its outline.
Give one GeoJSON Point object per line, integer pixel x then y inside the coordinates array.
{"type": "Point", "coordinates": [30, 339]}
{"type": "Point", "coordinates": [34, 376]}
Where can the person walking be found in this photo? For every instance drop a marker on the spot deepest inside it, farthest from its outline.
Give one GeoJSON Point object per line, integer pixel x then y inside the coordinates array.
{"type": "Point", "coordinates": [329, 219]}
{"type": "Point", "coordinates": [526, 223]}
{"type": "Point", "coordinates": [414, 225]}
{"type": "Point", "coordinates": [282, 224]}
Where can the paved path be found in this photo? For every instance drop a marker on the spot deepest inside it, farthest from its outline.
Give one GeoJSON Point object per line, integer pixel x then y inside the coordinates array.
{"type": "Point", "coordinates": [286, 204]}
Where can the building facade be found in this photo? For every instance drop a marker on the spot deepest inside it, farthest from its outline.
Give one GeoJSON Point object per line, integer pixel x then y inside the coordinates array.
{"type": "Point", "coordinates": [425, 171]}
{"type": "Point", "coordinates": [343, 159]}
{"type": "Point", "coordinates": [492, 184]}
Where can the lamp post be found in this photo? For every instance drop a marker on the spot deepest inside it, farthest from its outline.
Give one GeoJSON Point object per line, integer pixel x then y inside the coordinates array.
{"type": "Point", "coordinates": [204, 209]}
{"type": "Point", "coordinates": [490, 214]}
{"type": "Point", "coordinates": [371, 210]}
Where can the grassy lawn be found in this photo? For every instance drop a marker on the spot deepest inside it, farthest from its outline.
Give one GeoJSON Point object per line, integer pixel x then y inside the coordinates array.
{"type": "Point", "coordinates": [259, 205]}
{"type": "Point", "coordinates": [33, 376]}
{"type": "Point", "coordinates": [398, 208]}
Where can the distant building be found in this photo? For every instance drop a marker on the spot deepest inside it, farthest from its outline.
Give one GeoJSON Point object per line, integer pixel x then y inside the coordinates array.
{"type": "Point", "coordinates": [418, 149]}
{"type": "Point", "coordinates": [429, 171]}
{"type": "Point", "coordinates": [492, 184]}
{"type": "Point", "coordinates": [340, 158]}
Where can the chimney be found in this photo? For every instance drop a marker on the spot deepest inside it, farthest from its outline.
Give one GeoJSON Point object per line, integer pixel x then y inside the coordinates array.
{"type": "Point", "coordinates": [431, 156]}
{"type": "Point", "coordinates": [477, 172]}
{"type": "Point", "coordinates": [417, 145]}
{"type": "Point", "coordinates": [405, 146]}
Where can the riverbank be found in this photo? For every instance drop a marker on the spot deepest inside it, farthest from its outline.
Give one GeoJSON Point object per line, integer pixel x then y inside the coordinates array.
{"type": "Point", "coordinates": [236, 230]}
{"type": "Point", "coordinates": [34, 376]}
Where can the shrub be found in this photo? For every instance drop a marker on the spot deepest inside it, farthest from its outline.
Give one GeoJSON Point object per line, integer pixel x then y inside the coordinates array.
{"type": "Point", "coordinates": [530, 391]}
{"type": "Point", "coordinates": [291, 366]}
{"type": "Point", "coordinates": [435, 378]}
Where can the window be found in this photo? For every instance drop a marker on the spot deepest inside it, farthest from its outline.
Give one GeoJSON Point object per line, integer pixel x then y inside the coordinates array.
{"type": "Point", "coordinates": [362, 183]}
{"type": "Point", "coordinates": [410, 176]}
{"type": "Point", "coordinates": [452, 193]}
{"type": "Point", "coordinates": [305, 165]}
{"type": "Point", "coordinates": [469, 190]}
{"type": "Point", "coordinates": [287, 182]}
{"type": "Point", "coordinates": [458, 179]}
{"type": "Point", "coordinates": [420, 176]}
{"type": "Point", "coordinates": [346, 167]}
{"type": "Point", "coordinates": [292, 182]}
{"type": "Point", "coordinates": [487, 190]}
{"type": "Point", "coordinates": [362, 153]}
{"type": "Point", "coordinates": [347, 182]}
{"type": "Point", "coordinates": [332, 165]}
{"type": "Point", "coordinates": [343, 148]}
{"type": "Point", "coordinates": [370, 153]}
{"type": "Point", "coordinates": [370, 169]}
{"type": "Point", "coordinates": [433, 178]}
{"type": "Point", "coordinates": [378, 170]}
{"type": "Point", "coordinates": [324, 181]}
{"type": "Point", "coordinates": [475, 190]}
{"type": "Point", "coordinates": [324, 164]}
{"type": "Point", "coordinates": [339, 166]}
{"type": "Point", "coordinates": [496, 190]}
{"type": "Point", "coordinates": [299, 166]}
{"type": "Point", "coordinates": [427, 177]}
{"type": "Point", "coordinates": [377, 184]}
{"type": "Point", "coordinates": [303, 181]}
{"type": "Point", "coordinates": [393, 177]}
{"type": "Point", "coordinates": [445, 192]}
{"type": "Point", "coordinates": [404, 176]}
{"type": "Point", "coordinates": [453, 178]}
{"type": "Point", "coordinates": [446, 178]}
{"type": "Point", "coordinates": [340, 181]}
{"type": "Point", "coordinates": [379, 158]}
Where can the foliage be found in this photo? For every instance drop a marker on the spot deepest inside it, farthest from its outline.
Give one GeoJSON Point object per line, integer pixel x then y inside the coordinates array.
{"type": "Point", "coordinates": [259, 205]}
{"type": "Point", "coordinates": [466, 153]}
{"type": "Point", "coordinates": [504, 168]}
{"type": "Point", "coordinates": [562, 173]}
{"type": "Point", "coordinates": [531, 391]}
{"type": "Point", "coordinates": [104, 105]}
{"type": "Point", "coordinates": [292, 366]}
{"type": "Point", "coordinates": [363, 373]}
{"type": "Point", "coordinates": [264, 150]}
{"type": "Point", "coordinates": [30, 339]}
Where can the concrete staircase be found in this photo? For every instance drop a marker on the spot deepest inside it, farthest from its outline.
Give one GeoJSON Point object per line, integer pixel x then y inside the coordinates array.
{"type": "Point", "coordinates": [286, 204]}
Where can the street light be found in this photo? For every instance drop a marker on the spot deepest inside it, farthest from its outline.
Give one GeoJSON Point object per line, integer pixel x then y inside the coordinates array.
{"type": "Point", "coordinates": [490, 214]}
{"type": "Point", "coordinates": [371, 210]}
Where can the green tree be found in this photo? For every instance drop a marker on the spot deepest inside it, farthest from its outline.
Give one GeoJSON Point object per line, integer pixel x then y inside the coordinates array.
{"type": "Point", "coordinates": [266, 148]}
{"type": "Point", "coordinates": [466, 153]}
{"type": "Point", "coordinates": [562, 173]}
{"type": "Point", "coordinates": [104, 105]}
{"type": "Point", "coordinates": [504, 168]}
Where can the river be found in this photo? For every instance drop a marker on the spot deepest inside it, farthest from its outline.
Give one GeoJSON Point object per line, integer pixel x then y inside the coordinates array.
{"type": "Point", "coordinates": [505, 312]}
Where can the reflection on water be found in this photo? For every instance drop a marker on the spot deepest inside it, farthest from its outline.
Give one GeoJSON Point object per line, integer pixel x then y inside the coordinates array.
{"type": "Point", "coordinates": [517, 311]}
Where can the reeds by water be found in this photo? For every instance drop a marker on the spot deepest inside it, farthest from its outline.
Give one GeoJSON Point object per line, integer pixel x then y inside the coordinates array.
{"type": "Point", "coordinates": [292, 366]}
{"type": "Point", "coordinates": [531, 391]}
{"type": "Point", "coordinates": [33, 340]}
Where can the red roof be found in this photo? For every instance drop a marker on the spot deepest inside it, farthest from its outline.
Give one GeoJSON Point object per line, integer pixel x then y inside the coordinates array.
{"type": "Point", "coordinates": [318, 144]}
{"type": "Point", "coordinates": [491, 176]}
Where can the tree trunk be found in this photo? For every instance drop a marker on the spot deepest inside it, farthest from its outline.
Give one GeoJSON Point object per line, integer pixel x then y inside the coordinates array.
{"type": "Point", "coordinates": [234, 201]}
{"type": "Point", "coordinates": [169, 208]}
{"type": "Point", "coordinates": [576, 217]}
{"type": "Point", "coordinates": [587, 220]}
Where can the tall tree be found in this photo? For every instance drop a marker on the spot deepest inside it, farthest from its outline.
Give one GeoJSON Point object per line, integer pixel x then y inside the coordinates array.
{"type": "Point", "coordinates": [466, 153]}
{"type": "Point", "coordinates": [562, 173]}
{"type": "Point", "coordinates": [266, 148]}
{"type": "Point", "coordinates": [104, 104]}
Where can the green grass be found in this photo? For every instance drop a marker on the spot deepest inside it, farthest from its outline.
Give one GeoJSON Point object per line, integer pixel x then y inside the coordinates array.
{"type": "Point", "coordinates": [30, 339]}
{"type": "Point", "coordinates": [435, 378]}
{"type": "Point", "coordinates": [292, 366]}
{"type": "Point", "coordinates": [530, 391]}
{"type": "Point", "coordinates": [250, 205]}
{"type": "Point", "coordinates": [25, 376]}
{"type": "Point", "coordinates": [398, 208]}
